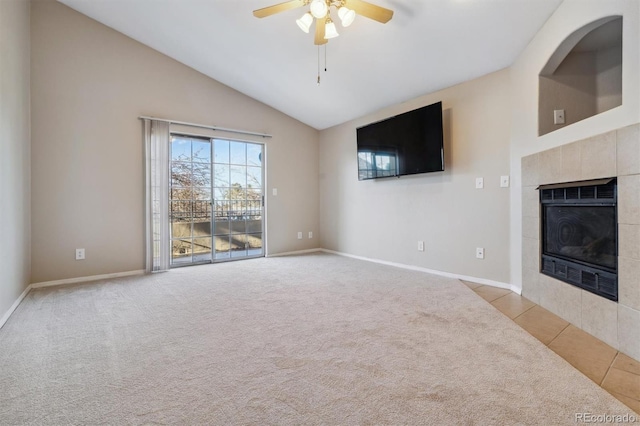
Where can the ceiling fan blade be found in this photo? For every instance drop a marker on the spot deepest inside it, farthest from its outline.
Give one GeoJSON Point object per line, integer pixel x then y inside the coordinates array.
{"type": "Point", "coordinates": [277, 8]}
{"type": "Point", "coordinates": [370, 11]}
{"type": "Point", "coordinates": [320, 32]}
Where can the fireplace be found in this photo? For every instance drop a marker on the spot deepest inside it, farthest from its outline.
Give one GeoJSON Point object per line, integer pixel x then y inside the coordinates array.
{"type": "Point", "coordinates": [579, 235]}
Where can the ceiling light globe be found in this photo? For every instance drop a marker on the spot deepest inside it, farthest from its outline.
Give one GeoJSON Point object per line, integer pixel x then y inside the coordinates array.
{"type": "Point", "coordinates": [330, 30]}
{"type": "Point", "coordinates": [319, 8]}
{"type": "Point", "coordinates": [305, 22]}
{"type": "Point", "coordinates": [346, 16]}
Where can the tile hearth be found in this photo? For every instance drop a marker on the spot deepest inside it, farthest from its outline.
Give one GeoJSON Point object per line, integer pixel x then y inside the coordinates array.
{"type": "Point", "coordinates": [612, 370]}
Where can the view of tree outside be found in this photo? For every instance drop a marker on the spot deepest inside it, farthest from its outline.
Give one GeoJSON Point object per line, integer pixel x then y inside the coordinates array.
{"type": "Point", "coordinates": [236, 206]}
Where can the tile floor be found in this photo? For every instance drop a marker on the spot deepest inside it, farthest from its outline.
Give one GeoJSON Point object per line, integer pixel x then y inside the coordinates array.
{"type": "Point", "coordinates": [615, 372]}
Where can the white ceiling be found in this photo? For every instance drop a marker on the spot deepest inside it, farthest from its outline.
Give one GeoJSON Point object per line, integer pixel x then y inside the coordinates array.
{"type": "Point", "coordinates": [427, 46]}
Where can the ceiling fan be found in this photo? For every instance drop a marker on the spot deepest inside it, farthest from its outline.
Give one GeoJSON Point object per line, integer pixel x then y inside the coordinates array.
{"type": "Point", "coordinates": [320, 11]}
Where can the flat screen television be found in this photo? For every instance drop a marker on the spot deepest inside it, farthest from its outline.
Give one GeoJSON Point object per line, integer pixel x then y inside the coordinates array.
{"type": "Point", "coordinates": [406, 144]}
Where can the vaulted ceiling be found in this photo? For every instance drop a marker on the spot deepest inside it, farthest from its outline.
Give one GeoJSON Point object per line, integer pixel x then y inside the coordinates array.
{"type": "Point", "coordinates": [427, 46]}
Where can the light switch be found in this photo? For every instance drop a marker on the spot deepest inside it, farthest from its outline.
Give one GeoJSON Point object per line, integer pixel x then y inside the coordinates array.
{"type": "Point", "coordinates": [558, 116]}
{"type": "Point", "coordinates": [274, 191]}
{"type": "Point", "coordinates": [479, 183]}
{"type": "Point", "coordinates": [504, 181]}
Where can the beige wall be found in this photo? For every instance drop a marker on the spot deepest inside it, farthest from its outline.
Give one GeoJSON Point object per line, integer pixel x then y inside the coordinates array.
{"type": "Point", "coordinates": [570, 16]}
{"type": "Point", "coordinates": [14, 151]}
{"type": "Point", "coordinates": [585, 84]}
{"type": "Point", "coordinates": [89, 85]}
{"type": "Point", "coordinates": [384, 219]}
{"type": "Point", "coordinates": [572, 87]}
{"type": "Point", "coordinates": [609, 79]}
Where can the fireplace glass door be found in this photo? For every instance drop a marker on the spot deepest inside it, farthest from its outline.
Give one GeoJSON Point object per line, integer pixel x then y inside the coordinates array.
{"type": "Point", "coordinates": [582, 233]}
{"type": "Point", "coordinates": [579, 229]}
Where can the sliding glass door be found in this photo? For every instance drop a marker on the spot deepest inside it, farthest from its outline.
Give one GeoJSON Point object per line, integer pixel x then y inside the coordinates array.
{"type": "Point", "coordinates": [216, 200]}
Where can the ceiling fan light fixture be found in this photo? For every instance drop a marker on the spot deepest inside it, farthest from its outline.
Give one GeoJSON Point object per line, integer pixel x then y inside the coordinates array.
{"type": "Point", "coordinates": [346, 16]}
{"type": "Point", "coordinates": [319, 8]}
{"type": "Point", "coordinates": [305, 22]}
{"type": "Point", "coordinates": [330, 30]}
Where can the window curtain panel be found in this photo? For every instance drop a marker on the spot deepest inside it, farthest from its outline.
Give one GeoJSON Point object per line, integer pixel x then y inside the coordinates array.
{"type": "Point", "coordinates": [156, 134]}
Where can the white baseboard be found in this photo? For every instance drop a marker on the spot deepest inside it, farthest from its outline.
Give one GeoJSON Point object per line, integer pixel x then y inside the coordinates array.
{"type": "Point", "coordinates": [13, 307]}
{"type": "Point", "coordinates": [483, 281]}
{"type": "Point", "coordinates": [517, 290]}
{"type": "Point", "coordinates": [87, 279]}
{"type": "Point", "coordinates": [291, 253]}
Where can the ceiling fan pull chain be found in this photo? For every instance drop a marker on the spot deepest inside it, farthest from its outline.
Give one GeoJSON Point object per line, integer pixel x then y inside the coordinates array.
{"type": "Point", "coordinates": [318, 65]}
{"type": "Point", "coordinates": [325, 58]}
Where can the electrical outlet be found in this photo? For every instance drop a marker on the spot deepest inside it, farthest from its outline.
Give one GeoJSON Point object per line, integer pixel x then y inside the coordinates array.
{"type": "Point", "coordinates": [310, 234]}
{"type": "Point", "coordinates": [80, 254]}
{"type": "Point", "coordinates": [300, 235]}
{"type": "Point", "coordinates": [479, 183]}
{"type": "Point", "coordinates": [420, 245]}
{"type": "Point", "coordinates": [480, 253]}
{"type": "Point", "coordinates": [558, 116]}
{"type": "Point", "coordinates": [504, 181]}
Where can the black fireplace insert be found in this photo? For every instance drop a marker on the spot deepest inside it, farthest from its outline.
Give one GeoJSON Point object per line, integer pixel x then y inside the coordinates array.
{"type": "Point", "coordinates": [580, 235]}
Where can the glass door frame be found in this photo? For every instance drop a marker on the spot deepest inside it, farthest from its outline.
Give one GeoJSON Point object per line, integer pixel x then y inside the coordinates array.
{"type": "Point", "coordinates": [212, 200]}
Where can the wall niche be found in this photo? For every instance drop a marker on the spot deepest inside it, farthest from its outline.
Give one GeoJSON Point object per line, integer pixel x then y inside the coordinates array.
{"type": "Point", "coordinates": [583, 77]}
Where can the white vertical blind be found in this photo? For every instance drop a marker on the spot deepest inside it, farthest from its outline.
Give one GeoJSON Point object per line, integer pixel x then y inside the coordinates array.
{"type": "Point", "coordinates": [157, 195]}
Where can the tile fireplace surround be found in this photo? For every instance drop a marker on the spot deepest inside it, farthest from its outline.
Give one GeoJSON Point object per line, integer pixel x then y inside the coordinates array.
{"type": "Point", "coordinates": [612, 154]}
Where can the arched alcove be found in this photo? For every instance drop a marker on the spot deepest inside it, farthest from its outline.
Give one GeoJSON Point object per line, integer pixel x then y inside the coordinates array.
{"type": "Point", "coordinates": [583, 77]}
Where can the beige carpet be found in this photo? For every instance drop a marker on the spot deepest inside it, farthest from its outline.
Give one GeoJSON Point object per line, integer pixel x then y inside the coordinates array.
{"type": "Point", "coordinates": [315, 339]}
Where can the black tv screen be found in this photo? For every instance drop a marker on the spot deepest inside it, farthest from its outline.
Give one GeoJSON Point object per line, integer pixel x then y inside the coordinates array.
{"type": "Point", "coordinates": [406, 144]}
